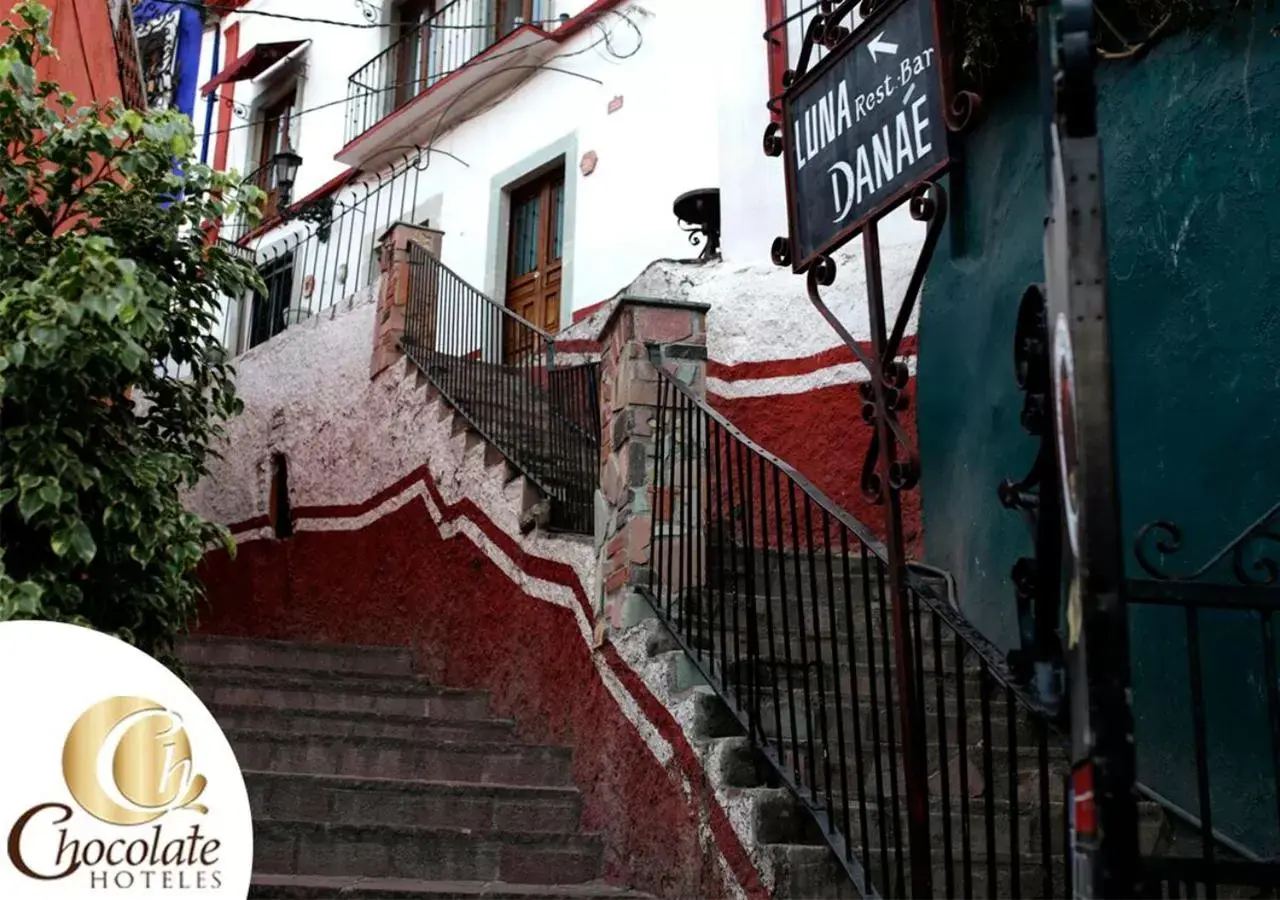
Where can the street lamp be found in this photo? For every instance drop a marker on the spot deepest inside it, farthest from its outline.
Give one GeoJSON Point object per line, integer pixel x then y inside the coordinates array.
{"type": "Point", "coordinates": [286, 164]}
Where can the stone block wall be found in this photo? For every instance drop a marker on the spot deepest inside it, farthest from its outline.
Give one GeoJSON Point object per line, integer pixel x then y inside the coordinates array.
{"type": "Point", "coordinates": [393, 296]}
{"type": "Point", "coordinates": [641, 336]}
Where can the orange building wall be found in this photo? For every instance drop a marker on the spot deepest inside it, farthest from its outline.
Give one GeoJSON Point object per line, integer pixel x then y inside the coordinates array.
{"type": "Point", "coordinates": [81, 31]}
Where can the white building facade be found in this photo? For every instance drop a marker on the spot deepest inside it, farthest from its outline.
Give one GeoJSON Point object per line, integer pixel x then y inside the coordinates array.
{"type": "Point", "coordinates": [545, 141]}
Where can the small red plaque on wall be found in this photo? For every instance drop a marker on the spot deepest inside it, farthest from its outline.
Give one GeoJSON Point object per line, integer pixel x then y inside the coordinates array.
{"type": "Point", "coordinates": [589, 161]}
{"type": "Point", "coordinates": [615, 104]}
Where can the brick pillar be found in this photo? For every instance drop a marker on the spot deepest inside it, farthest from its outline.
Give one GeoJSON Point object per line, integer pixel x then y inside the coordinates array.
{"type": "Point", "coordinates": [641, 334]}
{"type": "Point", "coordinates": [393, 288]}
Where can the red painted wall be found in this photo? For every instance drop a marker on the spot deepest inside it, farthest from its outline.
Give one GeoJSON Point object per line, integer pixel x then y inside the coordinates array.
{"type": "Point", "coordinates": [227, 93]}
{"type": "Point", "coordinates": [822, 435]}
{"type": "Point", "coordinates": [86, 65]}
{"type": "Point", "coordinates": [398, 581]}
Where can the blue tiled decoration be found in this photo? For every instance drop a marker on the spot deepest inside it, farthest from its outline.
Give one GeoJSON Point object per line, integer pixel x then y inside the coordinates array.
{"type": "Point", "coordinates": [169, 38]}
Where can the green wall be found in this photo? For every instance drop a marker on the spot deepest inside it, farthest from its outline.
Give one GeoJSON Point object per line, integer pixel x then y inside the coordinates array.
{"type": "Point", "coordinates": [1191, 140]}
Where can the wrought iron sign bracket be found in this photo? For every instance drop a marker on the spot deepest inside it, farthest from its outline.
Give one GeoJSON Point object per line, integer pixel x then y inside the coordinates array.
{"type": "Point", "coordinates": [1037, 579]}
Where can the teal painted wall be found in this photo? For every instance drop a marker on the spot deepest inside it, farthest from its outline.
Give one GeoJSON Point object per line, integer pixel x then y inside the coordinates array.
{"type": "Point", "coordinates": [1192, 155]}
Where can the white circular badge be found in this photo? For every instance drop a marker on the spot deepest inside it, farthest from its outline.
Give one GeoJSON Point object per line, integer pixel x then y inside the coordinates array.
{"type": "Point", "coordinates": [115, 780]}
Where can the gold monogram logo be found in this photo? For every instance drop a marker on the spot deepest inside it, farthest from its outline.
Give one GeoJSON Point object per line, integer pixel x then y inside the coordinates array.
{"type": "Point", "coordinates": [127, 761]}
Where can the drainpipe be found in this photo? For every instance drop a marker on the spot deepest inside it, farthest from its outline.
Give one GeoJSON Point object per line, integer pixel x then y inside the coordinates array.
{"type": "Point", "coordinates": [213, 95]}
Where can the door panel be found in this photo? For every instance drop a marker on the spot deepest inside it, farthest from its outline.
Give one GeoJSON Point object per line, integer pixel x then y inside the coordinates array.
{"type": "Point", "coordinates": [534, 262]}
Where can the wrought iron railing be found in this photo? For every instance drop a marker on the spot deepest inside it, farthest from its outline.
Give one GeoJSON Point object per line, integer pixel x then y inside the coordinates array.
{"type": "Point", "coordinates": [779, 598]}
{"type": "Point", "coordinates": [498, 371]}
{"type": "Point", "coordinates": [1209, 708]}
{"type": "Point", "coordinates": [317, 253]}
{"type": "Point", "coordinates": [423, 55]}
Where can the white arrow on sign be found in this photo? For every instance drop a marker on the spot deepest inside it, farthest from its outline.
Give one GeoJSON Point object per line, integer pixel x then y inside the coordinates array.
{"type": "Point", "coordinates": [880, 45]}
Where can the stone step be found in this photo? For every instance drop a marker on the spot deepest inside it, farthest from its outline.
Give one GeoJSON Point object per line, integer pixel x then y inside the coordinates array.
{"type": "Point", "coordinates": [283, 847]}
{"type": "Point", "coordinates": [463, 761]}
{"type": "Point", "coordinates": [1031, 827]}
{"type": "Point", "coordinates": [984, 880]}
{"type": "Point", "coordinates": [328, 887]}
{"type": "Point", "coordinates": [288, 655]}
{"type": "Point", "coordinates": [357, 724]}
{"type": "Point", "coordinates": [815, 872]}
{"type": "Point", "coordinates": [809, 717]}
{"type": "Point", "coordinates": [389, 801]}
{"type": "Point", "coordinates": [284, 689]}
{"type": "Point", "coordinates": [711, 618]}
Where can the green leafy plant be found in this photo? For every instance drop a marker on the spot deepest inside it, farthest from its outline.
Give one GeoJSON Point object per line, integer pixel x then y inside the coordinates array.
{"type": "Point", "coordinates": [113, 384]}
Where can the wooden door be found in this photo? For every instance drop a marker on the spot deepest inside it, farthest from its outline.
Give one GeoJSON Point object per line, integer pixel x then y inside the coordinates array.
{"type": "Point", "coordinates": [534, 262]}
{"type": "Point", "coordinates": [412, 72]}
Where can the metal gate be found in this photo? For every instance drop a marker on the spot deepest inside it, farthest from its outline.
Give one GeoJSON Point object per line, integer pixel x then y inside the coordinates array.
{"type": "Point", "coordinates": [1087, 579]}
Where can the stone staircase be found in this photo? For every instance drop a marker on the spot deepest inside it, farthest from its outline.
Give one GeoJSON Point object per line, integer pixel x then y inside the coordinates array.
{"type": "Point", "coordinates": [544, 423]}
{"type": "Point", "coordinates": [366, 781]}
{"type": "Point", "coordinates": [1006, 825]}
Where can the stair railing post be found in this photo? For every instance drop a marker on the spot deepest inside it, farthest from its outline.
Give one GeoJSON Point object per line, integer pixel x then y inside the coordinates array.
{"type": "Point", "coordinates": [639, 335]}
{"type": "Point", "coordinates": [399, 283]}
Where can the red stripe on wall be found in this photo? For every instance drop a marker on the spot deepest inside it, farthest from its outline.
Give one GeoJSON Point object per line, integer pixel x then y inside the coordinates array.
{"type": "Point", "coordinates": [742, 868]}
{"type": "Point", "coordinates": [580, 314]}
{"type": "Point", "coordinates": [804, 365]}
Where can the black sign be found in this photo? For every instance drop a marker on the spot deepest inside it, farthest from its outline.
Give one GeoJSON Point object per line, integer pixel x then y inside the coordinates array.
{"type": "Point", "coordinates": [863, 128]}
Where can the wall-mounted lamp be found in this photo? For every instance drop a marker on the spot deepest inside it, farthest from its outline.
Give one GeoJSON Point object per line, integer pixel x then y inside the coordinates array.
{"type": "Point", "coordinates": [286, 164]}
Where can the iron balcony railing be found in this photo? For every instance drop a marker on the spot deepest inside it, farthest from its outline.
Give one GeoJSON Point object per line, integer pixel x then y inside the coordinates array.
{"type": "Point", "coordinates": [498, 371]}
{"type": "Point", "coordinates": [789, 30]}
{"type": "Point", "coordinates": [424, 54]}
{"type": "Point", "coordinates": [315, 254]}
{"type": "Point", "coordinates": [780, 599]}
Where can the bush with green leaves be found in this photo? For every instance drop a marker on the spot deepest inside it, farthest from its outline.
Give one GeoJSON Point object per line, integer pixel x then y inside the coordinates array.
{"type": "Point", "coordinates": [113, 383]}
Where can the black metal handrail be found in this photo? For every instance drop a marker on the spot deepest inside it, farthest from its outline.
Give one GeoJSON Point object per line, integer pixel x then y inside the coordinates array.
{"type": "Point", "coordinates": [780, 599]}
{"type": "Point", "coordinates": [446, 42]}
{"type": "Point", "coordinates": [498, 371]}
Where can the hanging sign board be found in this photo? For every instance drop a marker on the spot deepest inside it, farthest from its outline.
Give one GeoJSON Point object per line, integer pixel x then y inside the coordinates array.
{"type": "Point", "coordinates": [863, 128]}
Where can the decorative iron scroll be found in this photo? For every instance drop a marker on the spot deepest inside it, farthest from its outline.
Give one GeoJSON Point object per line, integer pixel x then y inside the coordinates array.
{"type": "Point", "coordinates": [1037, 579]}
{"type": "Point", "coordinates": [368, 10]}
{"type": "Point", "coordinates": [829, 29]}
{"type": "Point", "coordinates": [157, 33]}
{"type": "Point", "coordinates": [318, 212]}
{"type": "Point", "coordinates": [928, 204]}
{"type": "Point", "coordinates": [1254, 553]}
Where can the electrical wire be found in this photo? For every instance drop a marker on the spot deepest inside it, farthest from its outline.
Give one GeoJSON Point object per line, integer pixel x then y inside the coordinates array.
{"type": "Point", "coordinates": [240, 11]}
{"type": "Point", "coordinates": [603, 40]}
{"type": "Point", "coordinates": [421, 160]}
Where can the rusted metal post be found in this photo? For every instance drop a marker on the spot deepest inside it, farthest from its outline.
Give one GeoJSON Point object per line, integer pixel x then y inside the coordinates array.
{"type": "Point", "coordinates": [913, 727]}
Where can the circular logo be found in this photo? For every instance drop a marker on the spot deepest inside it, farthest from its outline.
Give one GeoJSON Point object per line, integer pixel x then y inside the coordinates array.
{"type": "Point", "coordinates": [122, 782]}
{"type": "Point", "coordinates": [1064, 369]}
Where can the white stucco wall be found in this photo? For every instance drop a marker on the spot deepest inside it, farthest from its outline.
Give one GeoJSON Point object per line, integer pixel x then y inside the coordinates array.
{"type": "Point", "coordinates": [693, 84]}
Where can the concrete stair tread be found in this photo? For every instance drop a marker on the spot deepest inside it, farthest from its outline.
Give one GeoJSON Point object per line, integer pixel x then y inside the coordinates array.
{"type": "Point", "coordinates": [272, 676]}
{"type": "Point", "coordinates": [418, 785]}
{"type": "Point", "coordinates": [339, 829]}
{"type": "Point", "coordinates": [321, 887]}
{"type": "Point", "coordinates": [478, 747]}
{"type": "Point", "coordinates": [334, 647]}
{"type": "Point", "coordinates": [355, 716]}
